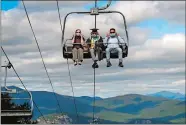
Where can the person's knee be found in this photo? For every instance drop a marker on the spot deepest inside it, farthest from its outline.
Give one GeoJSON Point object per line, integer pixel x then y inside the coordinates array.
{"type": "Point", "coordinates": [107, 49]}
{"type": "Point", "coordinates": [99, 49]}
{"type": "Point", "coordinates": [74, 49]}
{"type": "Point", "coordinates": [80, 49]}
{"type": "Point", "coordinates": [119, 50]}
{"type": "Point", "coordinates": [91, 50]}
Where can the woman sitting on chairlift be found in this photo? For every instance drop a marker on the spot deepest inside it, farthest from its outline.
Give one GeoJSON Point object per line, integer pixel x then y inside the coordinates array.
{"type": "Point", "coordinates": [78, 41]}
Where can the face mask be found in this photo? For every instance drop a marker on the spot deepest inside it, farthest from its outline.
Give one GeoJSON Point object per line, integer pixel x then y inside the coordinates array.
{"type": "Point", "coordinates": [94, 35]}
{"type": "Point", "coordinates": [112, 34]}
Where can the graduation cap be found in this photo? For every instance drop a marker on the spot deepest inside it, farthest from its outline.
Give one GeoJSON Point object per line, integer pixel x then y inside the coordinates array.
{"type": "Point", "coordinates": [94, 30]}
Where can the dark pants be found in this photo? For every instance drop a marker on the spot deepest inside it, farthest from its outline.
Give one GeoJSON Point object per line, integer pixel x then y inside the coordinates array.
{"type": "Point", "coordinates": [96, 54]}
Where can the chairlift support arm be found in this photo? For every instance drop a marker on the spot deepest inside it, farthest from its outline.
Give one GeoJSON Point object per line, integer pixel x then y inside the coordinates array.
{"type": "Point", "coordinates": [9, 65]}
{"type": "Point", "coordinates": [108, 4]}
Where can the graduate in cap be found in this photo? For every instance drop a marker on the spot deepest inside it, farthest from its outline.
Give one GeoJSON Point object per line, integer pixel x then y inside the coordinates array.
{"type": "Point", "coordinates": [95, 43]}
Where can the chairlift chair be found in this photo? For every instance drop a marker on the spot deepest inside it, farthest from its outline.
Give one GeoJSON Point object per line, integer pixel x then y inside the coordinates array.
{"type": "Point", "coordinates": [14, 92]}
{"type": "Point", "coordinates": [67, 46]}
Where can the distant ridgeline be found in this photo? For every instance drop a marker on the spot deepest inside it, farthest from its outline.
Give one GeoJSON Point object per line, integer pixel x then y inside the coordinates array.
{"type": "Point", "coordinates": [131, 108]}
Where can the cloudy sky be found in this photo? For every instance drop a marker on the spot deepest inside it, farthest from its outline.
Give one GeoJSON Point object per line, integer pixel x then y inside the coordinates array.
{"type": "Point", "coordinates": [156, 60]}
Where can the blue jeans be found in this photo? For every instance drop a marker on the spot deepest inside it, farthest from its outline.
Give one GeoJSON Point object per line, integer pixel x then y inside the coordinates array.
{"type": "Point", "coordinates": [108, 50]}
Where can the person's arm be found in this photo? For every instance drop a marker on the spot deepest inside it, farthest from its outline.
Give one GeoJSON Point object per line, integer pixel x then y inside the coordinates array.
{"type": "Point", "coordinates": [122, 42]}
{"type": "Point", "coordinates": [105, 41]}
{"type": "Point", "coordinates": [83, 40]}
{"type": "Point", "coordinates": [73, 39]}
{"type": "Point", "coordinates": [88, 41]}
{"type": "Point", "coordinates": [101, 40]}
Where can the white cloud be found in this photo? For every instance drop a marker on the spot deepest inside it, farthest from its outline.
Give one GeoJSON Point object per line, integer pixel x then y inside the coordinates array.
{"type": "Point", "coordinates": [169, 47]}
{"type": "Point", "coordinates": [179, 83]}
{"type": "Point", "coordinates": [136, 11]}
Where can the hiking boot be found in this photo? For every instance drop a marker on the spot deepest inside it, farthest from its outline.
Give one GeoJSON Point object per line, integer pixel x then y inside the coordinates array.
{"type": "Point", "coordinates": [79, 63]}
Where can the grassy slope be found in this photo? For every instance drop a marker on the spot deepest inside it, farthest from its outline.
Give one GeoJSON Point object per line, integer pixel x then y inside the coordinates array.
{"type": "Point", "coordinates": [162, 108]}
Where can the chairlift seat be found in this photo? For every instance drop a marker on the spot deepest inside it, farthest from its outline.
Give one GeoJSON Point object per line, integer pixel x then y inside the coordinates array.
{"type": "Point", "coordinates": [67, 51]}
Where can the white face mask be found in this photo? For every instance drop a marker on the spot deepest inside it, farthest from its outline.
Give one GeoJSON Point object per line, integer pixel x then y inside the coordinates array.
{"type": "Point", "coordinates": [94, 35]}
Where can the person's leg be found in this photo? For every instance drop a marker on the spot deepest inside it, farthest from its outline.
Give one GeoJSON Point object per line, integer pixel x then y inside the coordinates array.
{"type": "Point", "coordinates": [108, 56]}
{"type": "Point", "coordinates": [92, 54]}
{"type": "Point", "coordinates": [120, 57]}
{"type": "Point", "coordinates": [80, 55]}
{"type": "Point", "coordinates": [94, 58]}
{"type": "Point", "coordinates": [74, 54]}
{"type": "Point", "coordinates": [99, 54]}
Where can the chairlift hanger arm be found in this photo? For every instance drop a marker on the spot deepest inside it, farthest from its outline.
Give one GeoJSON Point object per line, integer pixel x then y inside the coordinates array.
{"type": "Point", "coordinates": [6, 79]}
{"type": "Point", "coordinates": [108, 4]}
{"type": "Point", "coordinates": [30, 94]}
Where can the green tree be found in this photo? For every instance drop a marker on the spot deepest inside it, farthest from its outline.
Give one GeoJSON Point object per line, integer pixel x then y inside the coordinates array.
{"type": "Point", "coordinates": [7, 104]}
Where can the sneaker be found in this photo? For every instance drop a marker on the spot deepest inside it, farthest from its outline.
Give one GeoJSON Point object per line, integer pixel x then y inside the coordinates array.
{"type": "Point", "coordinates": [79, 63]}
{"type": "Point", "coordinates": [75, 63]}
{"type": "Point", "coordinates": [109, 64]}
{"type": "Point", "coordinates": [95, 65]}
{"type": "Point", "coordinates": [120, 64]}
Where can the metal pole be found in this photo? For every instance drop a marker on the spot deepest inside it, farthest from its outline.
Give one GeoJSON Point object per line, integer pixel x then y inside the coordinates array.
{"type": "Point", "coordinates": [95, 15]}
{"type": "Point", "coordinates": [94, 71]}
{"type": "Point", "coordinates": [5, 79]}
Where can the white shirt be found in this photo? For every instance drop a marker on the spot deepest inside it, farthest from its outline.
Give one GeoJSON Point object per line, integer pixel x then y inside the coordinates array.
{"type": "Point", "coordinates": [113, 42]}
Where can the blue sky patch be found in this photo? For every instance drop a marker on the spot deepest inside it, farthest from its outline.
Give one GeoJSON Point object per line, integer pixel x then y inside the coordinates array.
{"type": "Point", "coordinates": [160, 27]}
{"type": "Point", "coordinates": [7, 5]}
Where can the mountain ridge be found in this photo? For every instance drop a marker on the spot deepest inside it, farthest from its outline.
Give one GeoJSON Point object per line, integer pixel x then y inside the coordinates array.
{"type": "Point", "coordinates": [169, 95]}
{"type": "Point", "coordinates": [129, 108]}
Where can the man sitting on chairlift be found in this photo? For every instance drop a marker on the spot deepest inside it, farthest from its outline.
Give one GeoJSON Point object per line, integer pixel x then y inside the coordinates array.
{"type": "Point", "coordinates": [114, 42]}
{"type": "Point", "coordinates": [95, 43]}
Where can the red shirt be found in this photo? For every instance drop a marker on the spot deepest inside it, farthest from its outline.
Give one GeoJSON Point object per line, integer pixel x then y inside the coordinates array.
{"type": "Point", "coordinates": [77, 39]}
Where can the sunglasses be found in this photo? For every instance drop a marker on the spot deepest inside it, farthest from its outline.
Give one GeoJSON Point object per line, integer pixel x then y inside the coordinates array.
{"type": "Point", "coordinates": [112, 32]}
{"type": "Point", "coordinates": [78, 32]}
{"type": "Point", "coordinates": [94, 33]}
